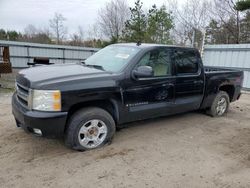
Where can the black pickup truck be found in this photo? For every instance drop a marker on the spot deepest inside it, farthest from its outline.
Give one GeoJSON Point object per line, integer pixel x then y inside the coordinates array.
{"type": "Point", "coordinates": [121, 83]}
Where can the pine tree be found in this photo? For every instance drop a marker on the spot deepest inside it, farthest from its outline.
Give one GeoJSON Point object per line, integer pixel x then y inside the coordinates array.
{"type": "Point", "coordinates": [135, 27]}
{"type": "Point", "coordinates": [153, 27]}
{"type": "Point", "coordinates": [160, 23]}
{"type": "Point", "coordinates": [243, 5]}
{"type": "Point", "coordinates": [245, 28]}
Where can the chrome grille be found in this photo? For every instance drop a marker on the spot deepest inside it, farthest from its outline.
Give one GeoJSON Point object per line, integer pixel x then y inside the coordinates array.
{"type": "Point", "coordinates": [22, 94]}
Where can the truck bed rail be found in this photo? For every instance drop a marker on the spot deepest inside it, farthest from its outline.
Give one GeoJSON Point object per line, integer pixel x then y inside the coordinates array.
{"type": "Point", "coordinates": [209, 69]}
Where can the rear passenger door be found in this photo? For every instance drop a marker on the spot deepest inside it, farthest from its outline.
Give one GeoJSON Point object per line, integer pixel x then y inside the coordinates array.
{"type": "Point", "coordinates": [189, 86]}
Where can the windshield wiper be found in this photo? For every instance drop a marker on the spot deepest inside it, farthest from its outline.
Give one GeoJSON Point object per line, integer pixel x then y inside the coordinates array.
{"type": "Point", "coordinates": [94, 66]}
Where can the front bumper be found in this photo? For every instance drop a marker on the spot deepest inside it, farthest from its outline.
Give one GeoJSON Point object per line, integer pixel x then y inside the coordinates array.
{"type": "Point", "coordinates": [51, 124]}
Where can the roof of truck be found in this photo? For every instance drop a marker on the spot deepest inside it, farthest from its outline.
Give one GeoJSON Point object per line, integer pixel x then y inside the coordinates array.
{"type": "Point", "coordinates": [148, 45]}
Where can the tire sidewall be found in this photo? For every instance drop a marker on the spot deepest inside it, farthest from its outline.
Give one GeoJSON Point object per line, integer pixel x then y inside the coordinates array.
{"type": "Point", "coordinates": [76, 124]}
{"type": "Point", "coordinates": [215, 103]}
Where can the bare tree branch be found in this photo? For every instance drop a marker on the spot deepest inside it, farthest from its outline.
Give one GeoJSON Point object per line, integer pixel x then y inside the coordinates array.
{"type": "Point", "coordinates": [112, 17]}
{"type": "Point", "coordinates": [58, 29]}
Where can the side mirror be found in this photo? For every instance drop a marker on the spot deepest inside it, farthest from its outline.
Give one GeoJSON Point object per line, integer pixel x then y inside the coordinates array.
{"type": "Point", "coordinates": [143, 72]}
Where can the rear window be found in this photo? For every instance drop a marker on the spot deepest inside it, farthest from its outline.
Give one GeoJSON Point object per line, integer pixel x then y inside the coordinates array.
{"type": "Point", "coordinates": [186, 62]}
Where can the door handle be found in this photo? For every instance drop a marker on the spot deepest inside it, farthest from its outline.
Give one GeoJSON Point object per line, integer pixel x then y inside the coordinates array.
{"type": "Point", "coordinates": [169, 85]}
{"type": "Point", "coordinates": [198, 82]}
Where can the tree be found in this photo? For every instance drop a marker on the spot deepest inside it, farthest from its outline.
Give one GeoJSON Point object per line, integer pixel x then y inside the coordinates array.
{"type": "Point", "coordinates": [10, 35]}
{"type": "Point", "coordinates": [160, 23]}
{"type": "Point", "coordinates": [224, 11]}
{"type": "Point", "coordinates": [33, 34]}
{"type": "Point", "coordinates": [30, 30]}
{"type": "Point", "coordinates": [223, 32]}
{"type": "Point", "coordinates": [245, 28]}
{"type": "Point", "coordinates": [95, 37]}
{"type": "Point", "coordinates": [153, 26]}
{"type": "Point", "coordinates": [191, 20]}
{"type": "Point", "coordinates": [3, 34]}
{"type": "Point", "coordinates": [217, 32]}
{"type": "Point", "coordinates": [58, 28]}
{"type": "Point", "coordinates": [77, 39]}
{"type": "Point", "coordinates": [136, 27]}
{"type": "Point", "coordinates": [13, 35]}
{"type": "Point", "coordinates": [243, 5]}
{"type": "Point", "coordinates": [94, 32]}
{"type": "Point", "coordinates": [111, 19]}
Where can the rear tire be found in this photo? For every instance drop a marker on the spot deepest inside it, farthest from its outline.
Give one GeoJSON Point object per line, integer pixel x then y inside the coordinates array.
{"type": "Point", "coordinates": [89, 128]}
{"type": "Point", "coordinates": [220, 105]}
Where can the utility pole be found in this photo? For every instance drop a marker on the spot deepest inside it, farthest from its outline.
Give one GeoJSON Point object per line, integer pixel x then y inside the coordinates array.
{"type": "Point", "coordinates": [193, 38]}
{"type": "Point", "coordinates": [238, 27]}
{"type": "Point", "coordinates": [203, 43]}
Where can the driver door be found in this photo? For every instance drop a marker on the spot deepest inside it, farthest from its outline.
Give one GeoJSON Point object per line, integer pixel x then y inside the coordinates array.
{"type": "Point", "coordinates": [151, 96]}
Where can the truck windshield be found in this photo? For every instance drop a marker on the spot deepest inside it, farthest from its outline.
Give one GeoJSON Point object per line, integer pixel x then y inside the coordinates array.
{"type": "Point", "coordinates": [112, 58]}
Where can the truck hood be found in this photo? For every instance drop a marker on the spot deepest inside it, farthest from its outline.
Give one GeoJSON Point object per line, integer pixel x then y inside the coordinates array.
{"type": "Point", "coordinates": [38, 77]}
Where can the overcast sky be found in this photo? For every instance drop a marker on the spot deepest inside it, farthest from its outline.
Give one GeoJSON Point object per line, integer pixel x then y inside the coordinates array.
{"type": "Point", "coordinates": [17, 14]}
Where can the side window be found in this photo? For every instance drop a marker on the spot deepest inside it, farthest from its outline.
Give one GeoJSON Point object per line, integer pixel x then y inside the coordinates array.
{"type": "Point", "coordinates": [186, 62]}
{"type": "Point", "coordinates": [159, 60]}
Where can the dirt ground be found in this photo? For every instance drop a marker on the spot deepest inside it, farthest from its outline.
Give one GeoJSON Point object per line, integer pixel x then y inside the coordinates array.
{"type": "Point", "coordinates": [187, 150]}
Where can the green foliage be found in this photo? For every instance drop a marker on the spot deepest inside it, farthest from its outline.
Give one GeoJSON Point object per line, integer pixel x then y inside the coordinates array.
{"type": "Point", "coordinates": [42, 38]}
{"type": "Point", "coordinates": [213, 31]}
{"type": "Point", "coordinates": [153, 27]}
{"type": "Point", "coordinates": [243, 5]}
{"type": "Point", "coordinates": [160, 22]}
{"type": "Point", "coordinates": [3, 34]}
{"type": "Point", "coordinates": [226, 32]}
{"type": "Point", "coordinates": [245, 28]}
{"type": "Point", "coordinates": [9, 35]}
{"type": "Point", "coordinates": [13, 35]}
{"type": "Point", "coordinates": [135, 27]}
{"type": "Point", "coordinates": [39, 37]}
{"type": "Point", "coordinates": [97, 43]}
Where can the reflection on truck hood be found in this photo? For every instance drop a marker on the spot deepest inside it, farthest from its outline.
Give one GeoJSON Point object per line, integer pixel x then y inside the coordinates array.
{"type": "Point", "coordinates": [56, 74]}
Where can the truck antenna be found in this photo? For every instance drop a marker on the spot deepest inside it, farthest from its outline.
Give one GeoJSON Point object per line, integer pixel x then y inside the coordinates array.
{"type": "Point", "coordinates": [138, 43]}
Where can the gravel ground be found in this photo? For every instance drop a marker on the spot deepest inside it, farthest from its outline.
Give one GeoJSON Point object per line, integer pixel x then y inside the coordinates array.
{"type": "Point", "coordinates": [187, 150]}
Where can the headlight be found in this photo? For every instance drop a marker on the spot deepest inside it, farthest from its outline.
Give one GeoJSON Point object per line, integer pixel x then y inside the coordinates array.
{"type": "Point", "coordinates": [46, 100]}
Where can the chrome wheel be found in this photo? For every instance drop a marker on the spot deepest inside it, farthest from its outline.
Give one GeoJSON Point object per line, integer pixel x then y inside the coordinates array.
{"type": "Point", "coordinates": [221, 106]}
{"type": "Point", "coordinates": [92, 133]}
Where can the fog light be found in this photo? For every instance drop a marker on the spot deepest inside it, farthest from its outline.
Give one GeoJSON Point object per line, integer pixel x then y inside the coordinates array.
{"type": "Point", "coordinates": [37, 131]}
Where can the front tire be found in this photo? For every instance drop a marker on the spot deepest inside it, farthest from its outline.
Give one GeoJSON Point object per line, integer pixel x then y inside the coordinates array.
{"type": "Point", "coordinates": [220, 105]}
{"type": "Point", "coordinates": [89, 128]}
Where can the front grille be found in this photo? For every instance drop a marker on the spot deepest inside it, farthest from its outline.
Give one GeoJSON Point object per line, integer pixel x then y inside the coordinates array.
{"type": "Point", "coordinates": [22, 94]}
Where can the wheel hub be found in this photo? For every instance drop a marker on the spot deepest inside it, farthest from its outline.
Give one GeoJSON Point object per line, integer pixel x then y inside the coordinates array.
{"type": "Point", "coordinates": [92, 133]}
{"type": "Point", "coordinates": [221, 106]}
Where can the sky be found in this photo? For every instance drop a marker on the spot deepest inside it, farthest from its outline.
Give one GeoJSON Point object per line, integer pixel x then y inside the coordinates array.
{"type": "Point", "coordinates": [17, 14]}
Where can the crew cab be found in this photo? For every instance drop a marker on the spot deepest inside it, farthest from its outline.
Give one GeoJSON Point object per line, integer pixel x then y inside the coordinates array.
{"type": "Point", "coordinates": [85, 102]}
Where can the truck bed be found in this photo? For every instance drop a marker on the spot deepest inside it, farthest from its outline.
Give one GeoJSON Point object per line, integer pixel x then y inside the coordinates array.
{"type": "Point", "coordinates": [216, 77]}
